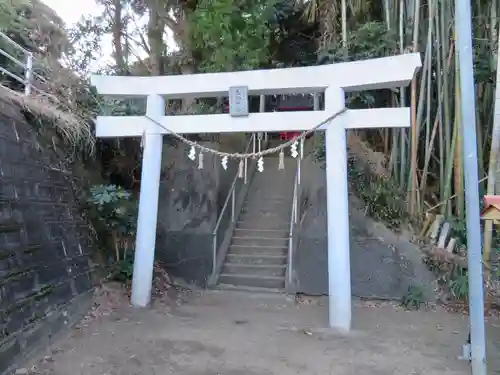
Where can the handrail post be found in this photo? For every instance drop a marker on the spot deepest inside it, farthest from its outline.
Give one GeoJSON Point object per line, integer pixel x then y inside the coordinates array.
{"type": "Point", "coordinates": [28, 74]}
{"type": "Point", "coordinates": [214, 253]}
{"type": "Point", "coordinates": [290, 257]}
{"type": "Point", "coordinates": [293, 224]}
{"type": "Point", "coordinates": [233, 198]}
{"type": "Point", "coordinates": [295, 203]}
{"type": "Point", "coordinates": [298, 171]}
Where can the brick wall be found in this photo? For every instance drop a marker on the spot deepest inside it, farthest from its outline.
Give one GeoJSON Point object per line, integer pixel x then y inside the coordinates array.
{"type": "Point", "coordinates": [44, 247]}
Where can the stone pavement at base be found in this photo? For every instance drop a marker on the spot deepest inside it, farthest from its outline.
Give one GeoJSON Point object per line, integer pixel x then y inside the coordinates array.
{"type": "Point", "coordinates": [238, 333]}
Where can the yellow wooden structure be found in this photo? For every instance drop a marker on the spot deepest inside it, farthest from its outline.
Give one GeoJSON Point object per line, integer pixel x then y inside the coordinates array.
{"type": "Point", "coordinates": [491, 210]}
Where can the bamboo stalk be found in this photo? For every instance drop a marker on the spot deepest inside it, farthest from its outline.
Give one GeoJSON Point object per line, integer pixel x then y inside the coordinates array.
{"type": "Point", "coordinates": [458, 175]}
{"type": "Point", "coordinates": [429, 50]}
{"type": "Point", "coordinates": [414, 129]}
{"type": "Point", "coordinates": [402, 101]}
{"type": "Point", "coordinates": [428, 151]}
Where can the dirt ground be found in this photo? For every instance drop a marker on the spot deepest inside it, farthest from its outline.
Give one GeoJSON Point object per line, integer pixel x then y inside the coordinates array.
{"type": "Point", "coordinates": [232, 333]}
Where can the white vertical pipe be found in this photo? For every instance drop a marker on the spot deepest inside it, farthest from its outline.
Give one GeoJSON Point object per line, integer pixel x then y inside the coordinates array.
{"type": "Point", "coordinates": [463, 27]}
{"type": "Point", "coordinates": [233, 199]}
{"type": "Point", "coordinates": [295, 203]}
{"type": "Point", "coordinates": [339, 267]}
{"type": "Point", "coordinates": [148, 208]}
{"type": "Point", "coordinates": [28, 73]}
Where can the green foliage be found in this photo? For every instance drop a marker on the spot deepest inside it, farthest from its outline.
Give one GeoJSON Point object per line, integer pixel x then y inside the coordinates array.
{"type": "Point", "coordinates": [368, 41]}
{"type": "Point", "coordinates": [414, 297]}
{"type": "Point", "coordinates": [115, 208]}
{"type": "Point", "coordinates": [123, 269]}
{"type": "Point", "coordinates": [458, 283]}
{"type": "Point", "coordinates": [33, 25]}
{"type": "Point", "coordinates": [458, 229]}
{"type": "Point", "coordinates": [384, 200]}
{"type": "Point", "coordinates": [114, 211]}
{"type": "Point", "coordinates": [9, 19]}
{"type": "Point", "coordinates": [86, 43]}
{"type": "Point", "coordinates": [231, 35]}
{"type": "Point", "coordinates": [484, 66]}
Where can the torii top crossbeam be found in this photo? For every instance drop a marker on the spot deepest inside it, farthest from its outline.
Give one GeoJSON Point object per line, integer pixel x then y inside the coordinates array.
{"type": "Point", "coordinates": [386, 72]}
{"type": "Point", "coordinates": [373, 74]}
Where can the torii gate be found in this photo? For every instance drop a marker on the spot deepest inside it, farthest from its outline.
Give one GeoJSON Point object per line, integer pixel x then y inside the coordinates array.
{"type": "Point", "coordinates": [333, 79]}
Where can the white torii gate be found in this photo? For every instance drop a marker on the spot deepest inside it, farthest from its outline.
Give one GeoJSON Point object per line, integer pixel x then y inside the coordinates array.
{"type": "Point", "coordinates": [333, 79]}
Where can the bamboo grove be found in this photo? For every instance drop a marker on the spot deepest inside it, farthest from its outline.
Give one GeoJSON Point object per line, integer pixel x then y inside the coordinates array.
{"type": "Point", "coordinates": [427, 159]}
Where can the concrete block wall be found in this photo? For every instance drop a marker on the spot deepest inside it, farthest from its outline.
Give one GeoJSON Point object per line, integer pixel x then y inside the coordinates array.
{"type": "Point", "coordinates": [310, 254]}
{"type": "Point", "coordinates": [189, 205]}
{"type": "Point", "coordinates": [45, 258]}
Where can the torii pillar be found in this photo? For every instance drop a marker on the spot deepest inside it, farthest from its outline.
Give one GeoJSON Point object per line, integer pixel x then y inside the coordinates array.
{"type": "Point", "coordinates": [333, 79]}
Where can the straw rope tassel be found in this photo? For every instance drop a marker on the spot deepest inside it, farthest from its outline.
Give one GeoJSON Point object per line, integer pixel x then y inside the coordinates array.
{"type": "Point", "coordinates": [241, 169]}
{"type": "Point", "coordinates": [281, 160]}
{"type": "Point", "coordinates": [200, 160]}
{"type": "Point", "coordinates": [246, 169]}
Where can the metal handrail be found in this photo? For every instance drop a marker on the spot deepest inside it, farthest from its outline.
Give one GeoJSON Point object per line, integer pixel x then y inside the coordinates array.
{"type": "Point", "coordinates": [28, 68]}
{"type": "Point", "coordinates": [230, 196]}
{"type": "Point", "coordinates": [295, 203]}
{"type": "Point", "coordinates": [293, 222]}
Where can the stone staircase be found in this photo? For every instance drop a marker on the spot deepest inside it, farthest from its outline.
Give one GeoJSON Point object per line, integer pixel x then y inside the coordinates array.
{"type": "Point", "coordinates": [257, 255]}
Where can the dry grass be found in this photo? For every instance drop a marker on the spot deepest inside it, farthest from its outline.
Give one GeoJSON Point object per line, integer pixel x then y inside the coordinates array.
{"type": "Point", "coordinates": [73, 129]}
{"type": "Point", "coordinates": [376, 161]}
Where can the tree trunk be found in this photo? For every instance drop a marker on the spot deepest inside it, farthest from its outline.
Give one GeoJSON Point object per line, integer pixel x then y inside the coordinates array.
{"type": "Point", "coordinates": [117, 37]}
{"type": "Point", "coordinates": [156, 26]}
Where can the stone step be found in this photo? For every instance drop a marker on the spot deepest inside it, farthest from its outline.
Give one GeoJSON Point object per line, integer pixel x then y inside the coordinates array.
{"type": "Point", "coordinates": [254, 269]}
{"type": "Point", "coordinates": [261, 259]}
{"type": "Point", "coordinates": [266, 210]}
{"type": "Point", "coordinates": [274, 174]}
{"type": "Point", "coordinates": [271, 167]}
{"type": "Point", "coordinates": [257, 206]}
{"type": "Point", "coordinates": [262, 228]}
{"type": "Point", "coordinates": [257, 256]}
{"type": "Point", "coordinates": [253, 281]}
{"type": "Point", "coordinates": [256, 250]}
{"type": "Point", "coordinates": [249, 289]}
{"type": "Point", "coordinates": [271, 188]}
{"type": "Point", "coordinates": [270, 198]}
{"type": "Point", "coordinates": [275, 218]}
{"type": "Point", "coordinates": [259, 241]}
{"type": "Point", "coordinates": [273, 170]}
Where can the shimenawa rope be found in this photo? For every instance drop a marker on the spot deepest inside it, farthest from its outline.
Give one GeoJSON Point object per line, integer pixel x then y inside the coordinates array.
{"type": "Point", "coordinates": [252, 154]}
